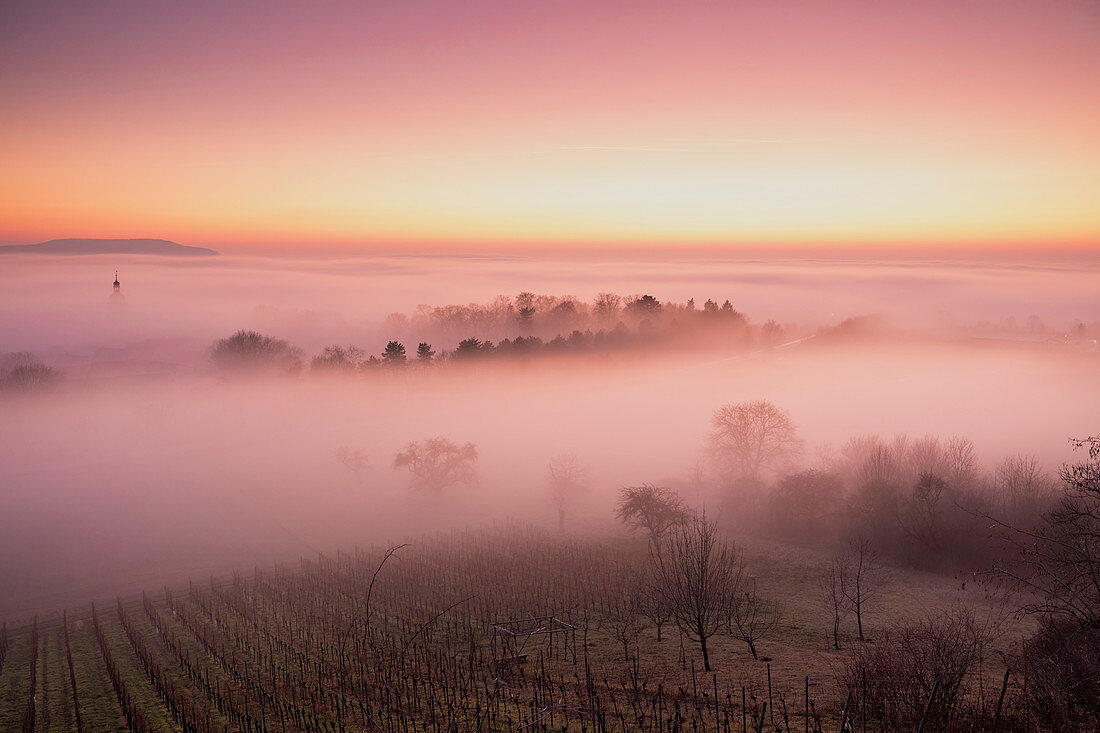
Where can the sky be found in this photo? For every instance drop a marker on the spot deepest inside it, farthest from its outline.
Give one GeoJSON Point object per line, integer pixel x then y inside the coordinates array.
{"type": "Point", "coordinates": [569, 124]}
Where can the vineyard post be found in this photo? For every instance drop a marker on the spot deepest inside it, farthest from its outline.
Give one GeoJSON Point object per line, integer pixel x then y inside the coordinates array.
{"type": "Point", "coordinates": [863, 697]}
{"type": "Point", "coordinates": [806, 702]}
{"type": "Point", "coordinates": [744, 709]}
{"type": "Point", "coordinates": [771, 706]}
{"type": "Point", "coordinates": [716, 717]}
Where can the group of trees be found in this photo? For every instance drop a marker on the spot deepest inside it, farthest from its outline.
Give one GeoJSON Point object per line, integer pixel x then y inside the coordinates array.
{"type": "Point", "coordinates": [527, 325]}
{"type": "Point", "coordinates": [698, 579]}
{"type": "Point", "coordinates": [434, 463]}
{"type": "Point", "coordinates": [919, 501]}
{"type": "Point", "coordinates": [543, 315]}
{"type": "Point", "coordinates": [1053, 570]}
{"type": "Point", "coordinates": [249, 351]}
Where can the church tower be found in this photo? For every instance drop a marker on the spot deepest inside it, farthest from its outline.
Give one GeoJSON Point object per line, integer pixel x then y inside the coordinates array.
{"type": "Point", "coordinates": [116, 291]}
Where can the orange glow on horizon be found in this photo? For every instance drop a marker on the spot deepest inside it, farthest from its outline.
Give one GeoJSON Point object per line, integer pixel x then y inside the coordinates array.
{"type": "Point", "coordinates": [859, 123]}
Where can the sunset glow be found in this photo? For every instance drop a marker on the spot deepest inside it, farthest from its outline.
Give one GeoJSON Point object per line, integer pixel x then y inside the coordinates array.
{"type": "Point", "coordinates": [358, 124]}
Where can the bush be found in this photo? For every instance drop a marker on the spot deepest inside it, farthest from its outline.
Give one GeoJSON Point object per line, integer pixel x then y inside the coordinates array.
{"type": "Point", "coordinates": [912, 659]}
{"type": "Point", "coordinates": [22, 372]}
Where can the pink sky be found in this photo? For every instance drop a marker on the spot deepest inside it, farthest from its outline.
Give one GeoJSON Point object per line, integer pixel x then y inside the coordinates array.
{"type": "Point", "coordinates": [286, 124]}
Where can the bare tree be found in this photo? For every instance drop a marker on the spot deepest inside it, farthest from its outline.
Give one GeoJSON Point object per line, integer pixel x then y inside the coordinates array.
{"type": "Point", "coordinates": [652, 508]}
{"type": "Point", "coordinates": [921, 514]}
{"type": "Point", "coordinates": [859, 565]}
{"type": "Point", "coordinates": [1055, 570]}
{"type": "Point", "coordinates": [753, 617]}
{"type": "Point", "coordinates": [622, 614]}
{"type": "Point", "coordinates": [699, 578]}
{"type": "Point", "coordinates": [338, 359]}
{"type": "Point", "coordinates": [925, 455]}
{"type": "Point", "coordinates": [1058, 564]}
{"type": "Point", "coordinates": [833, 588]}
{"type": "Point", "coordinates": [437, 463]}
{"type": "Point", "coordinates": [1025, 489]}
{"type": "Point", "coordinates": [962, 462]}
{"type": "Point", "coordinates": [750, 437]}
{"type": "Point", "coordinates": [355, 461]}
{"type": "Point", "coordinates": [566, 477]}
{"type": "Point", "coordinates": [607, 306]}
{"type": "Point", "coordinates": [654, 606]}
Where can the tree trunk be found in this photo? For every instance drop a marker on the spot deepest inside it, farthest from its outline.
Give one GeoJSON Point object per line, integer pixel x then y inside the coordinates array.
{"type": "Point", "coordinates": [706, 657]}
{"type": "Point", "coordinates": [752, 648]}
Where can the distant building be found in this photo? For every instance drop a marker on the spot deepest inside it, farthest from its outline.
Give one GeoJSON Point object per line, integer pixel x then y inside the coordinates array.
{"type": "Point", "coordinates": [116, 292]}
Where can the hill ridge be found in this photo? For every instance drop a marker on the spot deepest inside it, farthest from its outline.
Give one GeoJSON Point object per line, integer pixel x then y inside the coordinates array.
{"type": "Point", "coordinates": [79, 246]}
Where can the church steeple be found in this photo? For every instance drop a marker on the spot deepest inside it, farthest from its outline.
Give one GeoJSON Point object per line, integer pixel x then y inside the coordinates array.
{"type": "Point", "coordinates": [116, 291]}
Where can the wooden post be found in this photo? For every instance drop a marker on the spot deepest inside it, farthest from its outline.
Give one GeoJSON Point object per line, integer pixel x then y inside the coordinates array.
{"type": "Point", "coordinates": [770, 705]}
{"type": "Point", "coordinates": [806, 702]}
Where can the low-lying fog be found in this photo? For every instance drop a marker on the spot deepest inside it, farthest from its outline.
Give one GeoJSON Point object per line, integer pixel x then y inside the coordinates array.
{"type": "Point", "coordinates": [145, 465]}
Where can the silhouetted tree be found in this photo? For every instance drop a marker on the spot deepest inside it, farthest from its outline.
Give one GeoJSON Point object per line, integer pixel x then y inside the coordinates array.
{"type": "Point", "coordinates": [472, 348]}
{"type": "Point", "coordinates": [653, 604]}
{"type": "Point", "coordinates": [753, 617]}
{"type": "Point", "coordinates": [646, 305]}
{"type": "Point", "coordinates": [249, 351]}
{"type": "Point", "coordinates": [834, 594]}
{"type": "Point", "coordinates": [699, 579]}
{"type": "Point", "coordinates": [653, 508]}
{"type": "Point", "coordinates": [437, 463]}
{"type": "Point", "coordinates": [750, 437]}
{"type": "Point", "coordinates": [861, 578]}
{"type": "Point", "coordinates": [424, 353]}
{"type": "Point", "coordinates": [394, 355]}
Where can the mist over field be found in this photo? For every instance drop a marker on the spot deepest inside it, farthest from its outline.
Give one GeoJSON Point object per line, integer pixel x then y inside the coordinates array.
{"type": "Point", "coordinates": [146, 463]}
{"type": "Point", "coordinates": [591, 367]}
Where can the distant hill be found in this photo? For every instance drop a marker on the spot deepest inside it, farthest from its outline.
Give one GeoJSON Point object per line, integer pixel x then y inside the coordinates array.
{"type": "Point", "coordinates": [111, 246]}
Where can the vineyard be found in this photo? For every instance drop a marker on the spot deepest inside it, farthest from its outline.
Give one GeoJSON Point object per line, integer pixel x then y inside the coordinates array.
{"type": "Point", "coordinates": [495, 630]}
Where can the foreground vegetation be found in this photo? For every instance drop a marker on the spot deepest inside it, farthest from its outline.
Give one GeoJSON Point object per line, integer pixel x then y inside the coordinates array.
{"type": "Point", "coordinates": [506, 629]}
